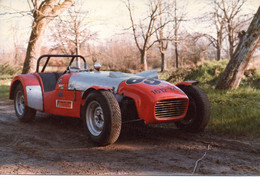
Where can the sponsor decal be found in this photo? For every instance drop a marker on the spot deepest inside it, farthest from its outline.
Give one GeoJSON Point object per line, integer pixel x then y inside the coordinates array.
{"type": "Point", "coordinates": [166, 90]}
{"type": "Point", "coordinates": [60, 94]}
{"type": "Point", "coordinates": [61, 86]}
{"type": "Point", "coordinates": [64, 104]}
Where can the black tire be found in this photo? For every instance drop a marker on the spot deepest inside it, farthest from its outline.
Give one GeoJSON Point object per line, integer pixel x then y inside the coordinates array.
{"type": "Point", "coordinates": [23, 112]}
{"type": "Point", "coordinates": [102, 117]}
{"type": "Point", "coordinates": [198, 114]}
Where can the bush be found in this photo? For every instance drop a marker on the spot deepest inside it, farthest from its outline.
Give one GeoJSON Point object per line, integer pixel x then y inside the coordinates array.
{"type": "Point", "coordinates": [7, 71]}
{"type": "Point", "coordinates": [208, 72]}
{"type": "Point", "coordinates": [251, 78]}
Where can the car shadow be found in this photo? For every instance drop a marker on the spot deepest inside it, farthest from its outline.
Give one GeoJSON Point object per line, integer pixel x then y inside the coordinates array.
{"type": "Point", "coordinates": [130, 133]}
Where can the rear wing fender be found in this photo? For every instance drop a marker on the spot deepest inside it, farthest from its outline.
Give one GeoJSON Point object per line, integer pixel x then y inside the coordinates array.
{"type": "Point", "coordinates": [33, 94]}
{"type": "Point", "coordinates": [187, 83]}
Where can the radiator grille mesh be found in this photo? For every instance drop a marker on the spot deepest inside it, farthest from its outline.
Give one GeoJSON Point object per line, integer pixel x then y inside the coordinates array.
{"type": "Point", "coordinates": [170, 108]}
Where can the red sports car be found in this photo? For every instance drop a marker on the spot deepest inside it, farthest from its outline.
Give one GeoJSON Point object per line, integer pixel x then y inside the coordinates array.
{"type": "Point", "coordinates": [106, 99]}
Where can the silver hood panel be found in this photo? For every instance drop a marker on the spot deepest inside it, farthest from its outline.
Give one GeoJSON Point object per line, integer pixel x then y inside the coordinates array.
{"type": "Point", "coordinates": [84, 80]}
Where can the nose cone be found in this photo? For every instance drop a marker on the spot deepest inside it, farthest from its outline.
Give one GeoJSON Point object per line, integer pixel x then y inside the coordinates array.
{"type": "Point", "coordinates": [148, 92]}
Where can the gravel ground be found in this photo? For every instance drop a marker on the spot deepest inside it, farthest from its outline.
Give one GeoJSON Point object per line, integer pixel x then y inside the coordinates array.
{"type": "Point", "coordinates": [58, 145]}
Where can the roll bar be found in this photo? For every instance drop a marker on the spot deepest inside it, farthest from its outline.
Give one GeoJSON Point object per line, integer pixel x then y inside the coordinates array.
{"type": "Point", "coordinates": [49, 56]}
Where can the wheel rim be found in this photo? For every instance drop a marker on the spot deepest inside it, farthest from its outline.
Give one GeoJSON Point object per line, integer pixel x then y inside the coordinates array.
{"type": "Point", "coordinates": [19, 103]}
{"type": "Point", "coordinates": [95, 118]}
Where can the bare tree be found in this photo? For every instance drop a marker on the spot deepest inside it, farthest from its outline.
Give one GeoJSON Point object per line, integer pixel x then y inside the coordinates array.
{"type": "Point", "coordinates": [164, 33]}
{"type": "Point", "coordinates": [115, 54]}
{"type": "Point", "coordinates": [231, 77]}
{"type": "Point", "coordinates": [178, 16]}
{"type": "Point", "coordinates": [143, 36]}
{"type": "Point", "coordinates": [193, 49]}
{"type": "Point", "coordinates": [235, 20]}
{"type": "Point", "coordinates": [43, 12]}
{"type": "Point", "coordinates": [72, 32]}
{"type": "Point", "coordinates": [217, 19]}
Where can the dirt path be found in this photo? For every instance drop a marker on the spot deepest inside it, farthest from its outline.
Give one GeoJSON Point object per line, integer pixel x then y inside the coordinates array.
{"type": "Point", "coordinates": [58, 145]}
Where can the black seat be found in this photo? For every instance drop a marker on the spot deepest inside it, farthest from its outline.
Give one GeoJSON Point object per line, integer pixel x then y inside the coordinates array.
{"type": "Point", "coordinates": [49, 80]}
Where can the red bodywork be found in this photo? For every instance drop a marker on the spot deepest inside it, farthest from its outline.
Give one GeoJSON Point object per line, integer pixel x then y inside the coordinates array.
{"type": "Point", "coordinates": [146, 96]}
{"type": "Point", "coordinates": [51, 98]}
{"type": "Point", "coordinates": [62, 101]}
{"type": "Point", "coordinates": [25, 80]}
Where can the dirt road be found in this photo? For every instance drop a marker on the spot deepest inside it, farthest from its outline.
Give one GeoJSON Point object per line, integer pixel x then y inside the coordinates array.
{"type": "Point", "coordinates": [58, 145]}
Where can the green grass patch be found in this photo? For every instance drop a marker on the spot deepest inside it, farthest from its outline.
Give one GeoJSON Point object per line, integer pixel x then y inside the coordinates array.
{"type": "Point", "coordinates": [235, 111]}
{"type": "Point", "coordinates": [4, 91]}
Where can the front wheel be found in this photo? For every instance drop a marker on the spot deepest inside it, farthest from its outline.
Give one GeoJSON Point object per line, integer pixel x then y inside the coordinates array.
{"type": "Point", "coordinates": [102, 117]}
{"type": "Point", "coordinates": [23, 112]}
{"type": "Point", "coordinates": [198, 113]}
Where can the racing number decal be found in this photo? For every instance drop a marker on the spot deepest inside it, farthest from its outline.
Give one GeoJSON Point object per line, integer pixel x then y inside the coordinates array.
{"type": "Point", "coordinates": [152, 81]}
{"type": "Point", "coordinates": [149, 81]}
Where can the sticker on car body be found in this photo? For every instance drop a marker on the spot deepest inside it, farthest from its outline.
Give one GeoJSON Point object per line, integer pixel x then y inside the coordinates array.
{"type": "Point", "coordinates": [61, 86]}
{"type": "Point", "coordinates": [64, 104]}
{"type": "Point", "coordinates": [166, 90]}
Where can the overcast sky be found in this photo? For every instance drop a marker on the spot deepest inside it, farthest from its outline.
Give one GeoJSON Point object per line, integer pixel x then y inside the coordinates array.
{"type": "Point", "coordinates": [109, 18]}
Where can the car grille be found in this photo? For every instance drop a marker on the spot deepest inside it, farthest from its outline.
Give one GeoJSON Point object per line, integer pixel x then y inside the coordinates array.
{"type": "Point", "coordinates": [170, 108]}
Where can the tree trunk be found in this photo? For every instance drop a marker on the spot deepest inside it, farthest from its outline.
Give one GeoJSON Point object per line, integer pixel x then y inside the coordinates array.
{"type": "Point", "coordinates": [144, 60]}
{"type": "Point", "coordinates": [219, 45]}
{"type": "Point", "coordinates": [42, 15]}
{"type": "Point", "coordinates": [176, 55]}
{"type": "Point", "coordinates": [163, 64]}
{"type": "Point", "coordinates": [231, 42]}
{"type": "Point", "coordinates": [34, 46]}
{"type": "Point", "coordinates": [231, 77]}
{"type": "Point", "coordinates": [77, 50]}
{"type": "Point", "coordinates": [218, 53]}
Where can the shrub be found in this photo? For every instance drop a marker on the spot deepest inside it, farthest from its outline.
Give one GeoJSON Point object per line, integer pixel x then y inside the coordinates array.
{"type": "Point", "coordinates": [251, 78]}
{"type": "Point", "coordinates": [208, 72]}
{"type": "Point", "coordinates": [205, 73]}
{"type": "Point", "coordinates": [7, 69]}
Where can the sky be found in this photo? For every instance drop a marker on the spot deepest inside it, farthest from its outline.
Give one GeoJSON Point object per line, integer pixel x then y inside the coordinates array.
{"type": "Point", "coordinates": [109, 18]}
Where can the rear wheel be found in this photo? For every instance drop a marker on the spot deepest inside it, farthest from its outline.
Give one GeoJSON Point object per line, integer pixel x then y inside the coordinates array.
{"type": "Point", "coordinates": [23, 112]}
{"type": "Point", "coordinates": [198, 113]}
{"type": "Point", "coordinates": [102, 117]}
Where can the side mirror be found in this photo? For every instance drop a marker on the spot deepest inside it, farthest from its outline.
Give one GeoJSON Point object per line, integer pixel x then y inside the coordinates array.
{"type": "Point", "coordinates": [97, 66]}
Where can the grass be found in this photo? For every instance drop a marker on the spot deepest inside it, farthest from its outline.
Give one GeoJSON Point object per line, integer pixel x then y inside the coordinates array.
{"type": "Point", "coordinates": [4, 88]}
{"type": "Point", "coordinates": [235, 111]}
{"type": "Point", "coordinates": [4, 91]}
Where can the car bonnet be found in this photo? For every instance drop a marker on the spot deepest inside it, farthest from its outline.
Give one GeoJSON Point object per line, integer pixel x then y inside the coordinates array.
{"type": "Point", "coordinates": [84, 80]}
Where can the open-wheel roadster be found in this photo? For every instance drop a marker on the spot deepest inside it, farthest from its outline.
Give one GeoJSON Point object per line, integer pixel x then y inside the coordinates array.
{"type": "Point", "coordinates": [106, 99]}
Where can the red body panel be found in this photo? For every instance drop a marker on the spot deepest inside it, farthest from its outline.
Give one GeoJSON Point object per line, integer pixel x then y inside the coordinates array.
{"type": "Point", "coordinates": [187, 83]}
{"type": "Point", "coordinates": [56, 102]}
{"type": "Point", "coordinates": [52, 100]}
{"type": "Point", "coordinates": [62, 95]}
{"type": "Point", "coordinates": [29, 79]}
{"type": "Point", "coordinates": [146, 96]}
